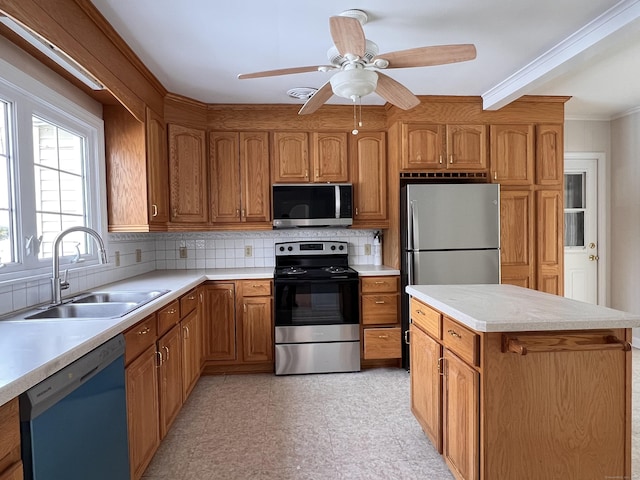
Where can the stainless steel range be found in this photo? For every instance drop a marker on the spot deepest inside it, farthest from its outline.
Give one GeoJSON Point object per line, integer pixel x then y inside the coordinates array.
{"type": "Point", "coordinates": [317, 318]}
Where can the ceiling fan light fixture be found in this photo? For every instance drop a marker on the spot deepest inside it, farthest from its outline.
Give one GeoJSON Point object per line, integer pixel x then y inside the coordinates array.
{"type": "Point", "coordinates": [354, 83]}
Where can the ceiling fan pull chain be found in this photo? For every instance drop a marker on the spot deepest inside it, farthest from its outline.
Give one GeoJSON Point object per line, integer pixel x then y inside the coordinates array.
{"type": "Point", "coordinates": [355, 122]}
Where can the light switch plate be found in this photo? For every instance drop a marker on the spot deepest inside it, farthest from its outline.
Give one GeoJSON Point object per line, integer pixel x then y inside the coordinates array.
{"type": "Point", "coordinates": [116, 258]}
{"type": "Point", "coordinates": [367, 249]}
{"type": "Point", "coordinates": [248, 251]}
{"type": "Point", "coordinates": [183, 252]}
{"type": "Point", "coordinates": [138, 255]}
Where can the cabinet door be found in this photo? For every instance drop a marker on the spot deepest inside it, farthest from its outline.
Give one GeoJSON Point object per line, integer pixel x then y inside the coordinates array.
{"type": "Point", "coordinates": [157, 168]}
{"type": "Point", "coordinates": [254, 174]}
{"type": "Point", "coordinates": [190, 353]}
{"type": "Point", "coordinates": [142, 411]}
{"type": "Point", "coordinates": [426, 384]}
{"type": "Point", "coordinates": [466, 147]}
{"type": "Point", "coordinates": [257, 329]}
{"type": "Point", "coordinates": [517, 251]}
{"type": "Point", "coordinates": [369, 177]}
{"type": "Point", "coordinates": [549, 154]}
{"type": "Point", "coordinates": [512, 154]}
{"type": "Point", "coordinates": [187, 174]}
{"type": "Point", "coordinates": [550, 241]}
{"type": "Point", "coordinates": [461, 418]}
{"type": "Point", "coordinates": [422, 146]}
{"type": "Point", "coordinates": [170, 377]}
{"type": "Point", "coordinates": [224, 177]}
{"type": "Point", "coordinates": [290, 158]}
{"type": "Point", "coordinates": [219, 322]}
{"type": "Point", "coordinates": [330, 157]}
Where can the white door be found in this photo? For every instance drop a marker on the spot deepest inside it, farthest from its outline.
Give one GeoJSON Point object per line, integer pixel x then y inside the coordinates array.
{"type": "Point", "coordinates": [581, 229]}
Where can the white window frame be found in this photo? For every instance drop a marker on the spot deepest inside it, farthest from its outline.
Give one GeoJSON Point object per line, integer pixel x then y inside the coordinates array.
{"type": "Point", "coordinates": [30, 97]}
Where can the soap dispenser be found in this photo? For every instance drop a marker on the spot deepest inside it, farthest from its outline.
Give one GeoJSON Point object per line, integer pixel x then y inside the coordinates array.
{"type": "Point", "coordinates": [377, 248]}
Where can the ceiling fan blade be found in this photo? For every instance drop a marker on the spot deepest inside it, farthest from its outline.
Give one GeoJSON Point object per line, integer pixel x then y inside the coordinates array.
{"type": "Point", "coordinates": [323, 94]}
{"type": "Point", "coordinates": [347, 35]}
{"type": "Point", "coordinates": [428, 56]}
{"type": "Point", "coordinates": [395, 93]}
{"type": "Point", "coordinates": [285, 71]}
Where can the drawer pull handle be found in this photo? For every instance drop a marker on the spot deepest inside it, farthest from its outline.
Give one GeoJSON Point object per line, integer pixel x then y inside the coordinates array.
{"type": "Point", "coordinates": [406, 337]}
{"type": "Point", "coordinates": [166, 349]}
{"type": "Point", "coordinates": [186, 332]}
{"type": "Point", "coordinates": [383, 336]}
{"type": "Point", "coordinates": [257, 285]}
{"type": "Point", "coordinates": [441, 366]}
{"type": "Point", "coordinates": [144, 331]}
{"type": "Point", "coordinates": [380, 283]}
{"type": "Point", "coordinates": [379, 302]}
{"type": "Point", "coordinates": [453, 333]}
{"type": "Point", "coordinates": [419, 312]}
{"type": "Point", "coordinates": [171, 311]}
{"type": "Point", "coordinates": [192, 297]}
{"type": "Point", "coordinates": [159, 360]}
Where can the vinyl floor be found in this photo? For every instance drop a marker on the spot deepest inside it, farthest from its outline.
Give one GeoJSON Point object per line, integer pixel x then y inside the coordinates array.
{"type": "Point", "coordinates": [328, 427]}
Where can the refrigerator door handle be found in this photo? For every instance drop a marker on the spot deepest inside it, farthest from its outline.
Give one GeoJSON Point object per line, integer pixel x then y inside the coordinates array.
{"type": "Point", "coordinates": [409, 269]}
{"type": "Point", "coordinates": [410, 224]}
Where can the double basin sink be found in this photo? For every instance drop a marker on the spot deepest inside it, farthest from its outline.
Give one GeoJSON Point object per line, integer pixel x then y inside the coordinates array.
{"type": "Point", "coordinates": [111, 304]}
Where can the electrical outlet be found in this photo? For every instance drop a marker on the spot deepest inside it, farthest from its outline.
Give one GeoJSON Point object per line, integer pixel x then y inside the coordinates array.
{"type": "Point", "coordinates": [183, 252]}
{"type": "Point", "coordinates": [138, 255]}
{"type": "Point", "coordinates": [116, 255]}
{"type": "Point", "coordinates": [367, 249]}
{"type": "Point", "coordinates": [248, 251]}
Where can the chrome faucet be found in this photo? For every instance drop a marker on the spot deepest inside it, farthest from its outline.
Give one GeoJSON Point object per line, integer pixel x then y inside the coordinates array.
{"type": "Point", "coordinates": [57, 285]}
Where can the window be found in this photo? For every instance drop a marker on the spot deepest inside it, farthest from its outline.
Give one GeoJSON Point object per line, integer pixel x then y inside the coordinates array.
{"type": "Point", "coordinates": [49, 177]}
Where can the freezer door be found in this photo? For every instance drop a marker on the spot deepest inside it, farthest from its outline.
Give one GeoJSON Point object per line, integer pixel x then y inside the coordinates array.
{"type": "Point", "coordinates": [454, 267]}
{"type": "Point", "coordinates": [453, 216]}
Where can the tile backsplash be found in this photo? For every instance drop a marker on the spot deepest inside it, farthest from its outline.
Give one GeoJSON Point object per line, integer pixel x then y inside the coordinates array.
{"type": "Point", "coordinates": [135, 254]}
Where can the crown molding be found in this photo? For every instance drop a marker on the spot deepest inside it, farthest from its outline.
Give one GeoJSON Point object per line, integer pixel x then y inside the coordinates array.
{"type": "Point", "coordinates": [557, 60]}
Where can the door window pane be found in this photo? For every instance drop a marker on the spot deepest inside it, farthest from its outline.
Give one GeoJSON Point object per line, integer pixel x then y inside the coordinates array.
{"type": "Point", "coordinates": [574, 209]}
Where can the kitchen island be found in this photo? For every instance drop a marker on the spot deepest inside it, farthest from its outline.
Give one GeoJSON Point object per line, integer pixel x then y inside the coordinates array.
{"type": "Point", "coordinates": [509, 382]}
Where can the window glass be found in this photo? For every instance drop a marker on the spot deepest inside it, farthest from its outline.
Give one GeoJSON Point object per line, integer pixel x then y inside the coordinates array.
{"type": "Point", "coordinates": [7, 214]}
{"type": "Point", "coordinates": [59, 186]}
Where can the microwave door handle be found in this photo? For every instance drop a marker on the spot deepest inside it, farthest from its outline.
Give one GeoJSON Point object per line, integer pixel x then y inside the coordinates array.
{"type": "Point", "coordinates": [337, 201]}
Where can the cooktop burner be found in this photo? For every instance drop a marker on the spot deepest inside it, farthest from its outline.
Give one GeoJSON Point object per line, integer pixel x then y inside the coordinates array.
{"type": "Point", "coordinates": [313, 260]}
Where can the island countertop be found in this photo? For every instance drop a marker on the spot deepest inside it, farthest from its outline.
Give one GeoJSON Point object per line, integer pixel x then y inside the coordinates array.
{"type": "Point", "coordinates": [507, 308]}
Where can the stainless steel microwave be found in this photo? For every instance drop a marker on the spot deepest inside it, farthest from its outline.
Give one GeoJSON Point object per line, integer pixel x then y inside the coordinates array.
{"type": "Point", "coordinates": [312, 205]}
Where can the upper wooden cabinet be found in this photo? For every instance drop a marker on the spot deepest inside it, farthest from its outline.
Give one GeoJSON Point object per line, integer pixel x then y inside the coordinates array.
{"type": "Point", "coordinates": [452, 147]}
{"type": "Point", "coordinates": [466, 147]}
{"type": "Point", "coordinates": [549, 155]}
{"type": "Point", "coordinates": [369, 177]}
{"type": "Point", "coordinates": [137, 171]}
{"type": "Point", "coordinates": [300, 157]}
{"type": "Point", "coordinates": [512, 154]}
{"type": "Point", "coordinates": [239, 177]}
{"type": "Point", "coordinates": [187, 174]}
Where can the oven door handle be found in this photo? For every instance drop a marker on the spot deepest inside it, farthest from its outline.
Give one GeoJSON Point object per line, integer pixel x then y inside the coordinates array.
{"type": "Point", "coordinates": [293, 281]}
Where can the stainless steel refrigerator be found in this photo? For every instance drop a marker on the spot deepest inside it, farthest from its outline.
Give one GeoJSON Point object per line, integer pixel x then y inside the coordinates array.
{"type": "Point", "coordinates": [450, 235]}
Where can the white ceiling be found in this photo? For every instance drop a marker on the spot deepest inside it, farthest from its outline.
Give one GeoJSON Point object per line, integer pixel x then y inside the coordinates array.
{"type": "Point", "coordinates": [585, 49]}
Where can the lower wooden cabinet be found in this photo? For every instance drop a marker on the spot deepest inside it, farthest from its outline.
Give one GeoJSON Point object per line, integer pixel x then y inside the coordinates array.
{"type": "Point", "coordinates": [170, 377]}
{"type": "Point", "coordinates": [10, 463]}
{"type": "Point", "coordinates": [379, 312]}
{"type": "Point", "coordinates": [191, 352]}
{"type": "Point", "coordinates": [238, 326]}
{"type": "Point", "coordinates": [142, 410]}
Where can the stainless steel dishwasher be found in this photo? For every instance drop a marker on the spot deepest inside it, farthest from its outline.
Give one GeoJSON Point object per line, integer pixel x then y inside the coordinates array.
{"type": "Point", "coordinates": [74, 423]}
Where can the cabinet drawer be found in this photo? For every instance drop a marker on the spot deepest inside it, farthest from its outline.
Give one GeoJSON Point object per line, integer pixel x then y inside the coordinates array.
{"type": "Point", "coordinates": [10, 434]}
{"type": "Point", "coordinates": [426, 318]}
{"type": "Point", "coordinates": [168, 317]}
{"type": "Point", "coordinates": [380, 309]}
{"type": "Point", "coordinates": [256, 288]}
{"type": "Point", "coordinates": [188, 303]}
{"type": "Point", "coordinates": [380, 284]}
{"type": "Point", "coordinates": [140, 337]}
{"type": "Point", "coordinates": [461, 341]}
{"type": "Point", "coordinates": [381, 343]}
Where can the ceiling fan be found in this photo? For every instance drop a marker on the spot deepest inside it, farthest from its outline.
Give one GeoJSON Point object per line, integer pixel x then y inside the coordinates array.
{"type": "Point", "coordinates": [359, 65]}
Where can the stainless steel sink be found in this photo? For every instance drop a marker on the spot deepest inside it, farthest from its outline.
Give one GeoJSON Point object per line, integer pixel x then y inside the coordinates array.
{"type": "Point", "coordinates": [109, 304]}
{"type": "Point", "coordinates": [119, 296]}
{"type": "Point", "coordinates": [87, 310]}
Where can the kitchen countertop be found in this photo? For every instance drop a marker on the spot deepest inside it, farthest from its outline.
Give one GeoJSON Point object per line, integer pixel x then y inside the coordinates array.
{"type": "Point", "coordinates": [32, 350]}
{"type": "Point", "coordinates": [507, 308]}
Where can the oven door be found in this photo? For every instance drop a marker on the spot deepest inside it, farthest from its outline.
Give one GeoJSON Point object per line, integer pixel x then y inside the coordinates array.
{"type": "Point", "coordinates": [316, 302]}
